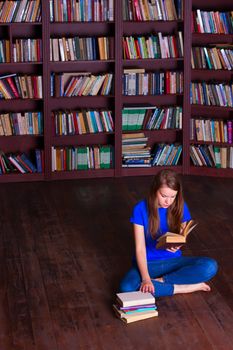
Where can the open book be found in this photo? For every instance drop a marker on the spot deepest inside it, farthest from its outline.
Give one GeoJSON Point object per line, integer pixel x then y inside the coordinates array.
{"type": "Point", "coordinates": [171, 238]}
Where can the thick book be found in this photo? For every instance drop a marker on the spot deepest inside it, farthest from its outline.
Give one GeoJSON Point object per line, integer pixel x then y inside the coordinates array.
{"type": "Point", "coordinates": [129, 318]}
{"type": "Point", "coordinates": [171, 238]}
{"type": "Point", "coordinates": [135, 298]}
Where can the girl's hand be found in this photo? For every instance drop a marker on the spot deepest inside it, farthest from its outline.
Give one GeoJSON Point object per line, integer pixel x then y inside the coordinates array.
{"type": "Point", "coordinates": [147, 286]}
{"type": "Point", "coordinates": [174, 248]}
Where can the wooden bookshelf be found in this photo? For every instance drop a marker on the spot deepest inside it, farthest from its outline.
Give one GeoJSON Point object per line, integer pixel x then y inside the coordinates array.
{"type": "Point", "coordinates": [211, 75]}
{"type": "Point", "coordinates": [116, 100]}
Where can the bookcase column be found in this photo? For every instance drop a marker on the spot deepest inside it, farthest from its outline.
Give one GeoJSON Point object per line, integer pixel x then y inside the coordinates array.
{"type": "Point", "coordinates": [46, 88]}
{"type": "Point", "coordinates": [118, 87]}
{"type": "Point", "coordinates": [187, 82]}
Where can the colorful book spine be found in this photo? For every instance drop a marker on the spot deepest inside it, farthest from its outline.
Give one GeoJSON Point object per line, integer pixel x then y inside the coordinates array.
{"type": "Point", "coordinates": [146, 10]}
{"type": "Point", "coordinates": [17, 163]}
{"type": "Point", "coordinates": [212, 22]}
{"type": "Point", "coordinates": [20, 11]}
{"type": "Point", "coordinates": [82, 158]}
{"type": "Point", "coordinates": [229, 131]}
{"type": "Point", "coordinates": [81, 11]}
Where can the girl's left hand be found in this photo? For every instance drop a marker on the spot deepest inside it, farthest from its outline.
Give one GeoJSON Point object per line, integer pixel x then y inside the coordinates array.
{"type": "Point", "coordinates": [147, 286]}
{"type": "Point", "coordinates": [174, 248]}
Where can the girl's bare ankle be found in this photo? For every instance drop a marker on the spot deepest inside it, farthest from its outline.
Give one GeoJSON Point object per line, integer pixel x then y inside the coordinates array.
{"type": "Point", "coordinates": [159, 279]}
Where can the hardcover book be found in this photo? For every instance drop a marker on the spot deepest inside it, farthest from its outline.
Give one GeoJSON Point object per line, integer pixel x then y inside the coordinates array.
{"type": "Point", "coordinates": [129, 318]}
{"type": "Point", "coordinates": [135, 298]}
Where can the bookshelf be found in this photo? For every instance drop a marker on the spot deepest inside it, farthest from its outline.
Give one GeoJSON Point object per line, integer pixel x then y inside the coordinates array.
{"type": "Point", "coordinates": [46, 29]}
{"type": "Point", "coordinates": [212, 114]}
{"type": "Point", "coordinates": [33, 28]}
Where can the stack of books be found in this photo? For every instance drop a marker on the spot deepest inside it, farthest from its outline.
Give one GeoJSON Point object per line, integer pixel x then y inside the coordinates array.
{"type": "Point", "coordinates": [135, 306]}
{"type": "Point", "coordinates": [135, 151]}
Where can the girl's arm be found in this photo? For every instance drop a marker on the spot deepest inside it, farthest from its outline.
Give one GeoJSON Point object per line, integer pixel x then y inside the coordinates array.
{"type": "Point", "coordinates": [140, 247]}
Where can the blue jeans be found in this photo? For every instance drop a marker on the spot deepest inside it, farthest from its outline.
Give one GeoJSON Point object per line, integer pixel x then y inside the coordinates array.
{"type": "Point", "coordinates": [181, 270]}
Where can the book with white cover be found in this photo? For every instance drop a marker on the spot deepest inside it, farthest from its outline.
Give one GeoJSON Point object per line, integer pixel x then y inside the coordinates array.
{"type": "Point", "coordinates": [135, 298]}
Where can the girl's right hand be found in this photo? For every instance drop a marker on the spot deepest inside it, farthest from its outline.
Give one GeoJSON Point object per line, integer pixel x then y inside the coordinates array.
{"type": "Point", "coordinates": [147, 286]}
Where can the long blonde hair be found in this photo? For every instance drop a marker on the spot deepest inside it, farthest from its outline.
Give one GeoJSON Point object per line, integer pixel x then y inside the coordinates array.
{"type": "Point", "coordinates": [170, 179]}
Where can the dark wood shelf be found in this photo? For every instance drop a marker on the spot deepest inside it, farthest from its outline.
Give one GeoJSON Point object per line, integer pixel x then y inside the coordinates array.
{"type": "Point", "coordinates": [82, 28]}
{"type": "Point", "coordinates": [195, 109]}
{"type": "Point", "coordinates": [87, 139]}
{"type": "Point", "coordinates": [148, 171]}
{"type": "Point", "coordinates": [82, 65]}
{"type": "Point", "coordinates": [168, 99]}
{"type": "Point", "coordinates": [158, 63]}
{"type": "Point", "coordinates": [212, 74]}
{"type": "Point", "coordinates": [21, 67]}
{"type": "Point", "coordinates": [82, 174]}
{"type": "Point", "coordinates": [17, 177]}
{"type": "Point", "coordinates": [80, 102]}
{"type": "Point", "coordinates": [21, 143]}
{"type": "Point", "coordinates": [19, 25]}
{"type": "Point", "coordinates": [142, 27]}
{"type": "Point", "coordinates": [18, 105]}
{"type": "Point", "coordinates": [207, 38]}
{"type": "Point", "coordinates": [218, 144]}
{"type": "Point", "coordinates": [207, 171]}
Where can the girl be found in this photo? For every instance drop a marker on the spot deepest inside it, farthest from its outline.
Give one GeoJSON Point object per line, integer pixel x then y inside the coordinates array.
{"type": "Point", "coordinates": [164, 272]}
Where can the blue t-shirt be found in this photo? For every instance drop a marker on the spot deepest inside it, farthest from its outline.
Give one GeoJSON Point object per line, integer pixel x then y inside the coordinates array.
{"type": "Point", "coordinates": [140, 217]}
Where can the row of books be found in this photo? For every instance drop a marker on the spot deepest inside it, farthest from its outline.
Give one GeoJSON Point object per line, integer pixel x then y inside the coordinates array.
{"type": "Point", "coordinates": [81, 11]}
{"type": "Point", "coordinates": [218, 57]}
{"type": "Point", "coordinates": [152, 83]}
{"type": "Point", "coordinates": [214, 22]}
{"type": "Point", "coordinates": [153, 46]}
{"type": "Point", "coordinates": [28, 123]}
{"type": "Point", "coordinates": [27, 50]}
{"type": "Point", "coordinates": [166, 154]}
{"type": "Point", "coordinates": [216, 94]}
{"type": "Point", "coordinates": [20, 86]}
{"type": "Point", "coordinates": [151, 118]}
{"type": "Point", "coordinates": [83, 122]}
{"type": "Point", "coordinates": [77, 48]}
{"type": "Point", "coordinates": [80, 84]}
{"type": "Point", "coordinates": [22, 163]}
{"type": "Point", "coordinates": [135, 306]}
{"type": "Point", "coordinates": [20, 11]}
{"type": "Point", "coordinates": [211, 130]}
{"type": "Point", "coordinates": [149, 10]}
{"type": "Point", "coordinates": [4, 51]}
{"type": "Point", "coordinates": [82, 157]}
{"type": "Point", "coordinates": [212, 156]}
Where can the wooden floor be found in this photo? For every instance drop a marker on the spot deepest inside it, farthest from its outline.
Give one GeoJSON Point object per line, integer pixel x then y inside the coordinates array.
{"type": "Point", "coordinates": [64, 247]}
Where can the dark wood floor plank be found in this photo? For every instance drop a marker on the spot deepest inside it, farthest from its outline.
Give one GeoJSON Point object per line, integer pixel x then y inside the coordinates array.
{"type": "Point", "coordinates": [42, 326]}
{"type": "Point", "coordinates": [210, 325]}
{"type": "Point", "coordinates": [22, 332]}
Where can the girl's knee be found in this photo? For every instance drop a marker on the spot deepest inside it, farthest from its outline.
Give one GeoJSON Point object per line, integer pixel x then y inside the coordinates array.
{"type": "Point", "coordinates": [127, 287]}
{"type": "Point", "coordinates": [131, 281]}
{"type": "Point", "coordinates": [210, 268]}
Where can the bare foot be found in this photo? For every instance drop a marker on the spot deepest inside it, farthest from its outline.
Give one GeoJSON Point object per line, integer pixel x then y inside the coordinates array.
{"type": "Point", "coordinates": [189, 288]}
